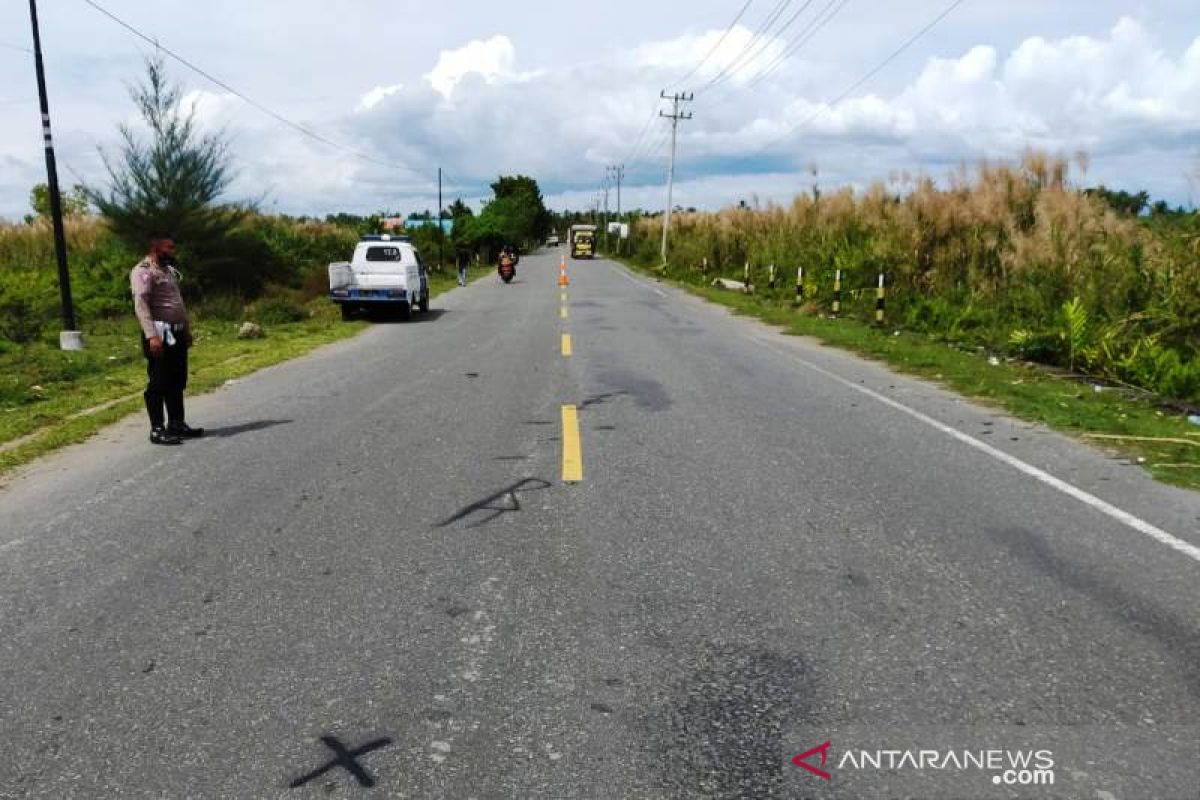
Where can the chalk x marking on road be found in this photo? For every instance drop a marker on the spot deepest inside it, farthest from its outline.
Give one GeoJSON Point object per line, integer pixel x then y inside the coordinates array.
{"type": "Point", "coordinates": [1088, 499]}
{"type": "Point", "coordinates": [566, 345]}
{"type": "Point", "coordinates": [636, 282]}
{"type": "Point", "coordinates": [572, 456]}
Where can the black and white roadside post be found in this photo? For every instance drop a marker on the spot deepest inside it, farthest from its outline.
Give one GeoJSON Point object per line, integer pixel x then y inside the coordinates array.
{"type": "Point", "coordinates": [799, 285]}
{"type": "Point", "coordinates": [69, 338]}
{"type": "Point", "coordinates": [837, 292]}
{"type": "Point", "coordinates": [879, 301]}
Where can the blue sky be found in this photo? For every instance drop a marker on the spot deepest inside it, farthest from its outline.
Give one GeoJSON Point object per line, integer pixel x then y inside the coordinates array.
{"type": "Point", "coordinates": [559, 92]}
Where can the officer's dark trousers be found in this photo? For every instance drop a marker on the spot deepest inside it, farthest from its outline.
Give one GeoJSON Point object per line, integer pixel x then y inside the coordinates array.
{"type": "Point", "coordinates": [168, 379]}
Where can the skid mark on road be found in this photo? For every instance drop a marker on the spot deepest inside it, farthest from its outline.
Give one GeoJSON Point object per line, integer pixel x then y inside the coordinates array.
{"type": "Point", "coordinates": [503, 501]}
{"type": "Point", "coordinates": [726, 726]}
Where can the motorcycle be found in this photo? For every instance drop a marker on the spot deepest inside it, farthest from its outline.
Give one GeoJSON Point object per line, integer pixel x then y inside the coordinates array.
{"type": "Point", "coordinates": [507, 268]}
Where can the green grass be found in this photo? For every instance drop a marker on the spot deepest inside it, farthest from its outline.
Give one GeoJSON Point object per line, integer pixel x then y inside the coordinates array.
{"type": "Point", "coordinates": [1027, 391]}
{"type": "Point", "coordinates": [49, 398]}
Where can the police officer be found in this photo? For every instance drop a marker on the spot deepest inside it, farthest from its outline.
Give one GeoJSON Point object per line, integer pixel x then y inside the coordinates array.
{"type": "Point", "coordinates": [166, 337]}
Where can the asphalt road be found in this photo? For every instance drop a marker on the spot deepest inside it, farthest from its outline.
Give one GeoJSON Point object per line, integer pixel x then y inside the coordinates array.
{"type": "Point", "coordinates": [374, 565]}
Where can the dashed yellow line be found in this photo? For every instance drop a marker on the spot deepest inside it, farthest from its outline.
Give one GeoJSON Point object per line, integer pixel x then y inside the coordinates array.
{"type": "Point", "coordinates": [566, 345]}
{"type": "Point", "coordinates": [572, 455]}
{"type": "Point", "coordinates": [562, 312]}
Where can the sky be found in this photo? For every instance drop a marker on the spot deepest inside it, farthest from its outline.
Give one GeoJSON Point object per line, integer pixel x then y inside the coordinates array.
{"type": "Point", "coordinates": [562, 91]}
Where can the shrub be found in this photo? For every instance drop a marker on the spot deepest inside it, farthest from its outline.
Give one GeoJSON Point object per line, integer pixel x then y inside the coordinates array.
{"type": "Point", "coordinates": [21, 320]}
{"type": "Point", "coordinates": [278, 310]}
{"type": "Point", "coordinates": [222, 307]}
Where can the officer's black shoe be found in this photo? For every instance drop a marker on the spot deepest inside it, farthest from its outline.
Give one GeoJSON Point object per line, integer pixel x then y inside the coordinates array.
{"type": "Point", "coordinates": [163, 436]}
{"type": "Point", "coordinates": [185, 431]}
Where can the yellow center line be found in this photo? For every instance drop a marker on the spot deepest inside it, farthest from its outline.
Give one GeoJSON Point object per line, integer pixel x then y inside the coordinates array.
{"type": "Point", "coordinates": [566, 345]}
{"type": "Point", "coordinates": [562, 312]}
{"type": "Point", "coordinates": [572, 455]}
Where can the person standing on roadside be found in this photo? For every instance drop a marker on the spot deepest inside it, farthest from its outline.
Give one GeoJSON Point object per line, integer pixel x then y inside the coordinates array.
{"type": "Point", "coordinates": [166, 337]}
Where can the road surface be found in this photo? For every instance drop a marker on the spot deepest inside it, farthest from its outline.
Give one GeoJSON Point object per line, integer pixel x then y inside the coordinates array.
{"type": "Point", "coordinates": [373, 580]}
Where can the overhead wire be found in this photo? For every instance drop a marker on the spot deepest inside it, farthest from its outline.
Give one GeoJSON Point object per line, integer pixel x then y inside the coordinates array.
{"type": "Point", "coordinates": [716, 46]}
{"type": "Point", "coordinates": [629, 156]}
{"type": "Point", "coordinates": [870, 74]}
{"type": "Point", "coordinates": [804, 37]}
{"type": "Point", "coordinates": [767, 40]}
{"type": "Point", "coordinates": [725, 71]}
{"type": "Point", "coordinates": [250, 101]}
{"type": "Point", "coordinates": [635, 152]}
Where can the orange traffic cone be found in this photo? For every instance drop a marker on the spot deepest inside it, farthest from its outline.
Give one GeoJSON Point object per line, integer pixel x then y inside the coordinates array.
{"type": "Point", "coordinates": [562, 272]}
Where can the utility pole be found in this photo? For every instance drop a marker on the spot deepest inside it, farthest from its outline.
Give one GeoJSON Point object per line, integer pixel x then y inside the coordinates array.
{"type": "Point", "coordinates": [441, 230]}
{"type": "Point", "coordinates": [69, 338]}
{"type": "Point", "coordinates": [618, 171]}
{"type": "Point", "coordinates": [674, 116]}
{"type": "Point", "coordinates": [607, 171]}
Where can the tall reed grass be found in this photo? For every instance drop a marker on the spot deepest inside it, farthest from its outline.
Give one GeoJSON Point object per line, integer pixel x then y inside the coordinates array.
{"type": "Point", "coordinates": [1012, 257]}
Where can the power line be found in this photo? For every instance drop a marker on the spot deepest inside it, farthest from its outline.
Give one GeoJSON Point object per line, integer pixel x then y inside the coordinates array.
{"type": "Point", "coordinates": [767, 40]}
{"type": "Point", "coordinates": [254, 103]}
{"type": "Point", "coordinates": [823, 17]}
{"type": "Point", "coordinates": [637, 142]}
{"type": "Point", "coordinates": [804, 37]}
{"type": "Point", "coordinates": [874, 71]}
{"type": "Point", "coordinates": [716, 46]}
{"type": "Point", "coordinates": [810, 30]}
{"type": "Point", "coordinates": [754, 40]}
{"type": "Point", "coordinates": [635, 153]}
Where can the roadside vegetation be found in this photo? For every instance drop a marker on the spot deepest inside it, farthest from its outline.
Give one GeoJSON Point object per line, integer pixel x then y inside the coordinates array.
{"type": "Point", "coordinates": [1007, 284]}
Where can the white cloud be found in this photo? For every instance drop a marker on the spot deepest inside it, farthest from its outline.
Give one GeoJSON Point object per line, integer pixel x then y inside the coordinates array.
{"type": "Point", "coordinates": [376, 95]}
{"type": "Point", "coordinates": [492, 59]}
{"type": "Point", "coordinates": [489, 102]}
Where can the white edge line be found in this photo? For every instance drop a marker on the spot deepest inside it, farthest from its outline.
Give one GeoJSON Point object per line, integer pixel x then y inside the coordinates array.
{"type": "Point", "coordinates": [624, 273]}
{"type": "Point", "coordinates": [1140, 525]}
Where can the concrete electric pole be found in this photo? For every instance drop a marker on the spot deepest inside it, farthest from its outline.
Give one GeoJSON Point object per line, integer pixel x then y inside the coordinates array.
{"type": "Point", "coordinates": [618, 173]}
{"type": "Point", "coordinates": [674, 116]}
{"type": "Point", "coordinates": [70, 338]}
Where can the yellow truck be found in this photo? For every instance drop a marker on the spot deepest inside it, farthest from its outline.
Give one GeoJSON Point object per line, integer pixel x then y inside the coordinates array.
{"type": "Point", "coordinates": [583, 241]}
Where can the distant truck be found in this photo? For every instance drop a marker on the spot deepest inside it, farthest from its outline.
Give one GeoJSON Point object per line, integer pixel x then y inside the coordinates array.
{"type": "Point", "coordinates": [385, 273]}
{"type": "Point", "coordinates": [583, 241]}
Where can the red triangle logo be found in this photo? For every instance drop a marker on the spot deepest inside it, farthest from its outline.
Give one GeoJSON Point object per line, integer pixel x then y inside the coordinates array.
{"type": "Point", "coordinates": [802, 760]}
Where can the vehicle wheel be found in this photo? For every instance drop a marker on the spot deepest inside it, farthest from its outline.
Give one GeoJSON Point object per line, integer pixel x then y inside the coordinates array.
{"type": "Point", "coordinates": [347, 312]}
{"type": "Point", "coordinates": [423, 303]}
